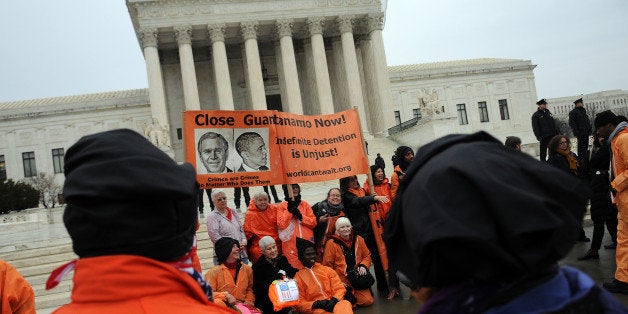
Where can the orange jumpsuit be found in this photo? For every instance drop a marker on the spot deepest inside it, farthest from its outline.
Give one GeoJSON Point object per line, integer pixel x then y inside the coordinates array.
{"type": "Point", "coordinates": [335, 259]}
{"type": "Point", "coordinates": [320, 283]}
{"type": "Point", "coordinates": [258, 224]}
{"type": "Point", "coordinates": [16, 295]}
{"type": "Point", "coordinates": [221, 281]}
{"type": "Point", "coordinates": [394, 184]}
{"type": "Point", "coordinates": [302, 229]}
{"type": "Point", "coordinates": [383, 189]}
{"type": "Point", "coordinates": [134, 284]}
{"type": "Point", "coordinates": [619, 146]}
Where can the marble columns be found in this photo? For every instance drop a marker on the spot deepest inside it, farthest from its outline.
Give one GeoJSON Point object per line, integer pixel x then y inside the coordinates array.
{"type": "Point", "coordinates": [323, 85]}
{"type": "Point", "coordinates": [289, 67]}
{"type": "Point", "coordinates": [221, 66]}
{"type": "Point", "coordinates": [156, 93]}
{"type": "Point", "coordinates": [188, 72]}
{"type": "Point", "coordinates": [253, 67]}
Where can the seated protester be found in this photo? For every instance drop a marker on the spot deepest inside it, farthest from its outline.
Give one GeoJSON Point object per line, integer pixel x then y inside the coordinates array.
{"type": "Point", "coordinates": [327, 212]}
{"type": "Point", "coordinates": [320, 288]}
{"type": "Point", "coordinates": [231, 280]}
{"type": "Point", "coordinates": [346, 252]}
{"type": "Point", "coordinates": [260, 221]}
{"type": "Point", "coordinates": [271, 266]}
{"type": "Point", "coordinates": [295, 219]}
{"type": "Point", "coordinates": [132, 227]}
{"type": "Point", "coordinates": [16, 294]}
{"type": "Point", "coordinates": [493, 245]}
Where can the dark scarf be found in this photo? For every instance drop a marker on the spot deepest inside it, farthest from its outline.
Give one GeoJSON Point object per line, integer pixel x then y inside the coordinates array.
{"type": "Point", "coordinates": [573, 162]}
{"type": "Point", "coordinates": [332, 210]}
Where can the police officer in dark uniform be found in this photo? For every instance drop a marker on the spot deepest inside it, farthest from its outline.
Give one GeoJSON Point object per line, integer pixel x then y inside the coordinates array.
{"type": "Point", "coordinates": [581, 127]}
{"type": "Point", "coordinates": [543, 126]}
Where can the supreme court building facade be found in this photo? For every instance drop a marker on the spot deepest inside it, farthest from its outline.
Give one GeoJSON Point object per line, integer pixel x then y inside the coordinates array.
{"type": "Point", "coordinates": [300, 56]}
{"type": "Point", "coordinates": [259, 55]}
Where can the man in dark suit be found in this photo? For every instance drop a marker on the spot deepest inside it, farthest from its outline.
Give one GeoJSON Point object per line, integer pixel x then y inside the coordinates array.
{"type": "Point", "coordinates": [581, 127]}
{"type": "Point", "coordinates": [543, 126]}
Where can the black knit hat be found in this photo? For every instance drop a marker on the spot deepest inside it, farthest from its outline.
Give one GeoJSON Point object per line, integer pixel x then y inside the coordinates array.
{"type": "Point", "coordinates": [303, 244]}
{"type": "Point", "coordinates": [578, 101]}
{"type": "Point", "coordinates": [223, 248]}
{"type": "Point", "coordinates": [126, 196]}
{"type": "Point", "coordinates": [542, 102]}
{"type": "Point", "coordinates": [604, 118]}
{"type": "Point", "coordinates": [486, 213]}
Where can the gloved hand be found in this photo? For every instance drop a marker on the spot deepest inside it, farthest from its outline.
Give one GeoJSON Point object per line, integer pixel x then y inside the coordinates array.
{"type": "Point", "coordinates": [318, 304]}
{"type": "Point", "coordinates": [293, 207]}
{"type": "Point", "coordinates": [329, 306]}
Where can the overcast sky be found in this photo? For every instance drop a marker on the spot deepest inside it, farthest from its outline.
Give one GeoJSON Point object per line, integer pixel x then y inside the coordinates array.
{"type": "Point", "coordinates": [67, 47]}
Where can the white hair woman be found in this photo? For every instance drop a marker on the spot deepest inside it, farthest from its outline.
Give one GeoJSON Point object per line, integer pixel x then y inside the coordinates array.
{"type": "Point", "coordinates": [269, 267]}
{"type": "Point", "coordinates": [224, 222]}
{"type": "Point", "coordinates": [260, 221]}
{"type": "Point", "coordinates": [346, 252]}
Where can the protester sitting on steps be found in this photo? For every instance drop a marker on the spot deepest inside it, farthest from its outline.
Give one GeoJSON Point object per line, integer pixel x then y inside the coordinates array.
{"type": "Point", "coordinates": [271, 266]}
{"type": "Point", "coordinates": [295, 219]}
{"type": "Point", "coordinates": [132, 227]}
{"type": "Point", "coordinates": [225, 222]}
{"type": "Point", "coordinates": [231, 280]}
{"type": "Point", "coordinates": [327, 212]}
{"type": "Point", "coordinates": [346, 252]}
{"type": "Point", "coordinates": [260, 221]}
{"type": "Point", "coordinates": [320, 289]}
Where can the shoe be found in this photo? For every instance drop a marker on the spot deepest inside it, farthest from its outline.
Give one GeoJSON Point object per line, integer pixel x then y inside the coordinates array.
{"type": "Point", "coordinates": [238, 210]}
{"type": "Point", "coordinates": [393, 293]}
{"type": "Point", "coordinates": [616, 286]}
{"type": "Point", "coordinates": [611, 246]}
{"type": "Point", "coordinates": [590, 254]}
{"type": "Point", "coordinates": [585, 239]}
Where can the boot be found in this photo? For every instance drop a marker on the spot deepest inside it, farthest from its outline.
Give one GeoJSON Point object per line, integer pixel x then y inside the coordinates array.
{"type": "Point", "coordinates": [616, 286]}
{"type": "Point", "coordinates": [611, 246]}
{"type": "Point", "coordinates": [590, 254]}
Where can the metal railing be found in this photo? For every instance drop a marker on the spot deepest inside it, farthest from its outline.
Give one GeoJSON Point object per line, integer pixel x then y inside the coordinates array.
{"type": "Point", "coordinates": [403, 126]}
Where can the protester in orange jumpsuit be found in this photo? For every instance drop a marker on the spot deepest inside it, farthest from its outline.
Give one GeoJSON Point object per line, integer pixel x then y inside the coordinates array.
{"type": "Point", "coordinates": [260, 221]}
{"type": "Point", "coordinates": [16, 295]}
{"type": "Point", "coordinates": [231, 280]}
{"type": "Point", "coordinates": [132, 227]}
{"type": "Point", "coordinates": [320, 288]}
{"type": "Point", "coordinates": [609, 127]}
{"type": "Point", "coordinates": [295, 219]}
{"type": "Point", "coordinates": [347, 252]}
{"type": "Point", "coordinates": [381, 186]}
{"type": "Point", "coordinates": [405, 155]}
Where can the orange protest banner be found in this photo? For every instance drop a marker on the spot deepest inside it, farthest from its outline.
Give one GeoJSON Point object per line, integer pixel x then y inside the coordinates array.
{"type": "Point", "coordinates": [267, 147]}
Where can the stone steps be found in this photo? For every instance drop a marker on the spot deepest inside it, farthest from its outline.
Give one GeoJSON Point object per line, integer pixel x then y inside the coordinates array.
{"type": "Point", "coordinates": [38, 252]}
{"type": "Point", "coordinates": [37, 264]}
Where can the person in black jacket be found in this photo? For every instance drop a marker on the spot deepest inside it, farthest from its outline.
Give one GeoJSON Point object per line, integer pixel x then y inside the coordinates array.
{"type": "Point", "coordinates": [561, 157]}
{"type": "Point", "coordinates": [581, 127]}
{"type": "Point", "coordinates": [603, 211]}
{"type": "Point", "coordinates": [271, 266]}
{"type": "Point", "coordinates": [543, 126]}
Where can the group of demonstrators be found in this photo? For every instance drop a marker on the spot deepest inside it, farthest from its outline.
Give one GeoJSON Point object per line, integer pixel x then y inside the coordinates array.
{"type": "Point", "coordinates": [331, 243]}
{"type": "Point", "coordinates": [463, 238]}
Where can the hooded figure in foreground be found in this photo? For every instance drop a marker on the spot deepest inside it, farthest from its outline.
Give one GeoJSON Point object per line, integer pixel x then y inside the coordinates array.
{"type": "Point", "coordinates": [482, 227]}
{"type": "Point", "coordinates": [131, 214]}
